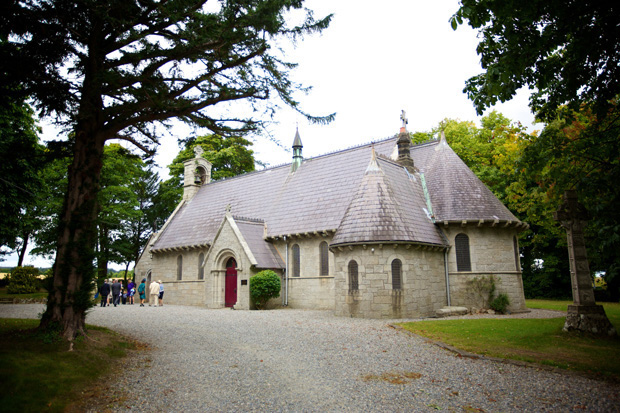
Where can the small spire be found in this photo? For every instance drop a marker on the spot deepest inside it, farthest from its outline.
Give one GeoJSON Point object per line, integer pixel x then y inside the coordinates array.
{"type": "Point", "coordinates": [297, 140]}
{"type": "Point", "coordinates": [297, 157]}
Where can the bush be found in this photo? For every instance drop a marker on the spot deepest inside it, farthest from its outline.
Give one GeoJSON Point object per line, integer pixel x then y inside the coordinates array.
{"type": "Point", "coordinates": [500, 303]}
{"type": "Point", "coordinates": [264, 286]}
{"type": "Point", "coordinates": [23, 280]}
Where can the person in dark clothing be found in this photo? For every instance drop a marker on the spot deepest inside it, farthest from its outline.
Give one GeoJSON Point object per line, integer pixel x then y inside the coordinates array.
{"type": "Point", "coordinates": [104, 291]}
{"type": "Point", "coordinates": [116, 292]}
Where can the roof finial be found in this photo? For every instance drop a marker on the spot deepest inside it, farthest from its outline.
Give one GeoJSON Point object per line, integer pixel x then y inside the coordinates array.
{"type": "Point", "coordinates": [297, 157]}
{"type": "Point", "coordinates": [403, 117]}
{"type": "Point", "coordinates": [443, 142]}
{"type": "Point", "coordinates": [373, 166]}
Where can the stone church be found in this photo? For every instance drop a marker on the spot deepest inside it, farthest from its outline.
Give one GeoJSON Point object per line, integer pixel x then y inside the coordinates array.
{"type": "Point", "coordinates": [382, 230]}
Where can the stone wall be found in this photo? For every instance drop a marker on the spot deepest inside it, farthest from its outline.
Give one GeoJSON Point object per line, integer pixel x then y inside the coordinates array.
{"type": "Point", "coordinates": [423, 282]}
{"type": "Point", "coordinates": [189, 290]}
{"type": "Point", "coordinates": [315, 293]}
{"type": "Point", "coordinates": [492, 253]}
{"type": "Point", "coordinates": [491, 248]}
{"type": "Point", "coordinates": [463, 295]}
{"type": "Point", "coordinates": [310, 290]}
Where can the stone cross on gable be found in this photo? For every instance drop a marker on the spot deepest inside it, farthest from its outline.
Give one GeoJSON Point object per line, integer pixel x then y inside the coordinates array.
{"type": "Point", "coordinates": [198, 151]}
{"type": "Point", "coordinates": [403, 117]}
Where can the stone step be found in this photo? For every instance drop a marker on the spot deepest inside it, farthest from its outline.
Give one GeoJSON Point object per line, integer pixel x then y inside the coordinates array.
{"type": "Point", "coordinates": [449, 311]}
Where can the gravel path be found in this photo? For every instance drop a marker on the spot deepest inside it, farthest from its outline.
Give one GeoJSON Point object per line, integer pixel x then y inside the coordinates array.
{"type": "Point", "coordinates": [306, 361]}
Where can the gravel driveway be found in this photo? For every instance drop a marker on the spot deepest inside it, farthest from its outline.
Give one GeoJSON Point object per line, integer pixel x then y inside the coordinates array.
{"type": "Point", "coordinates": [304, 361]}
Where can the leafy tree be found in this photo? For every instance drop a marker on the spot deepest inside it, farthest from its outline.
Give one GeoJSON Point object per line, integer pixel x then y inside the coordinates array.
{"type": "Point", "coordinates": [168, 196]}
{"type": "Point", "coordinates": [118, 203]}
{"type": "Point", "coordinates": [49, 206]}
{"type": "Point", "coordinates": [566, 51]}
{"type": "Point", "coordinates": [112, 69]}
{"type": "Point", "coordinates": [20, 181]}
{"type": "Point", "coordinates": [134, 233]}
{"type": "Point", "coordinates": [581, 152]}
{"type": "Point", "coordinates": [230, 156]}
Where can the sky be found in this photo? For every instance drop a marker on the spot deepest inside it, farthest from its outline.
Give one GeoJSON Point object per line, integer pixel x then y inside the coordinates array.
{"type": "Point", "coordinates": [368, 66]}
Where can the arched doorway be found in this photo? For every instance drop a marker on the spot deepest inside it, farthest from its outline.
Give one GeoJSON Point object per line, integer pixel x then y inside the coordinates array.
{"type": "Point", "coordinates": [230, 286]}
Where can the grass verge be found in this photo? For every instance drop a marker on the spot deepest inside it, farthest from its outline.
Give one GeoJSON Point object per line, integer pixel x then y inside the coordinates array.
{"type": "Point", "coordinates": [38, 294]}
{"type": "Point", "coordinates": [37, 372]}
{"type": "Point", "coordinates": [533, 340]}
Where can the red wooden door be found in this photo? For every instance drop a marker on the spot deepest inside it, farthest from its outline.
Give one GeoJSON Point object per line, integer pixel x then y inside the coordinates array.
{"type": "Point", "coordinates": [230, 287]}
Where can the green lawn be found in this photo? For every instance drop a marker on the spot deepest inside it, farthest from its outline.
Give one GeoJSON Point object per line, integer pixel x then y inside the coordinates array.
{"type": "Point", "coordinates": [611, 309]}
{"type": "Point", "coordinates": [38, 294]}
{"type": "Point", "coordinates": [534, 340]}
{"type": "Point", "coordinates": [39, 374]}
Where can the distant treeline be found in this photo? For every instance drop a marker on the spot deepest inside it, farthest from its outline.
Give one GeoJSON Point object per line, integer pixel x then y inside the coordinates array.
{"type": "Point", "coordinates": [42, 270]}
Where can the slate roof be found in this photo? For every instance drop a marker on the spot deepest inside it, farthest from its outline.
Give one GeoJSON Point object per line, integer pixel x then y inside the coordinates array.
{"type": "Point", "coordinates": [456, 192]}
{"type": "Point", "coordinates": [389, 206]}
{"type": "Point", "coordinates": [320, 196]}
{"type": "Point", "coordinates": [264, 252]}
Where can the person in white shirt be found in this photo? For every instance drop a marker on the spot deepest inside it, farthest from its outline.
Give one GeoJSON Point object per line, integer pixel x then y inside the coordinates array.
{"type": "Point", "coordinates": [154, 290]}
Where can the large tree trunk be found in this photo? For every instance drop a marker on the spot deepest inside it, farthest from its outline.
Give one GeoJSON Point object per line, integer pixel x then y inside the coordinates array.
{"type": "Point", "coordinates": [74, 273]}
{"type": "Point", "coordinates": [22, 250]}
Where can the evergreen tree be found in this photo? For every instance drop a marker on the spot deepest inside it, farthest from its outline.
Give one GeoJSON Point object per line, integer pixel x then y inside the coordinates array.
{"type": "Point", "coordinates": [111, 69]}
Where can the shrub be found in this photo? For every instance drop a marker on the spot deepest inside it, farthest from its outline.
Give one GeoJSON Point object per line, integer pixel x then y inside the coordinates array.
{"type": "Point", "coordinates": [23, 280]}
{"type": "Point", "coordinates": [264, 286]}
{"type": "Point", "coordinates": [500, 303]}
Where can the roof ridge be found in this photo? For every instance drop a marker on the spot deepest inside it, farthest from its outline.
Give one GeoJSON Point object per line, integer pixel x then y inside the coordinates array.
{"type": "Point", "coordinates": [426, 143]}
{"type": "Point", "coordinates": [248, 219]}
{"type": "Point", "coordinates": [271, 168]}
{"type": "Point", "coordinates": [353, 147]}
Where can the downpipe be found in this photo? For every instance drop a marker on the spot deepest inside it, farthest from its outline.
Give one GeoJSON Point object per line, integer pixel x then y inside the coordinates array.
{"type": "Point", "coordinates": [285, 298]}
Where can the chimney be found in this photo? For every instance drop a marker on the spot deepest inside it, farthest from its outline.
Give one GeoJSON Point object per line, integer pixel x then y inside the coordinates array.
{"type": "Point", "coordinates": [297, 158]}
{"type": "Point", "coordinates": [197, 173]}
{"type": "Point", "coordinates": [404, 145]}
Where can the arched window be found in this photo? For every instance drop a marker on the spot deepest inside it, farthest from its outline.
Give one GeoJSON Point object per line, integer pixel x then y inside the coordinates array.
{"type": "Point", "coordinates": [397, 266]}
{"type": "Point", "coordinates": [353, 280]}
{"type": "Point", "coordinates": [201, 269]}
{"type": "Point", "coordinates": [324, 254]}
{"type": "Point", "coordinates": [463, 262]}
{"type": "Point", "coordinates": [296, 261]}
{"type": "Point", "coordinates": [515, 245]}
{"type": "Point", "coordinates": [180, 267]}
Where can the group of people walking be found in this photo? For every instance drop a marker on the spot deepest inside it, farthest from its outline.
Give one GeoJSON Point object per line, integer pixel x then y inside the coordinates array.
{"type": "Point", "coordinates": [114, 292]}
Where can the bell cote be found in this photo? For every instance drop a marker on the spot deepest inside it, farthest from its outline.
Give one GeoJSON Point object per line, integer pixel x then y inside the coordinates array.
{"type": "Point", "coordinates": [197, 173]}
